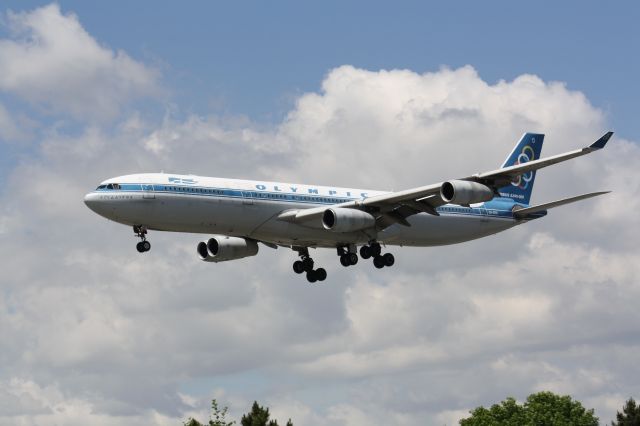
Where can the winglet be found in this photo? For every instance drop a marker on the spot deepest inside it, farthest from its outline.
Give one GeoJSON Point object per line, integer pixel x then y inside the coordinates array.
{"type": "Point", "coordinates": [600, 143]}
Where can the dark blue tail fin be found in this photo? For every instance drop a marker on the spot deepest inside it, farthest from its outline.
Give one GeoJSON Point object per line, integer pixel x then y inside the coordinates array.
{"type": "Point", "coordinates": [528, 149]}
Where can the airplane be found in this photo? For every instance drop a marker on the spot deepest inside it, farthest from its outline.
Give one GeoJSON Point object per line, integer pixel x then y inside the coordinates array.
{"type": "Point", "coordinates": [239, 214]}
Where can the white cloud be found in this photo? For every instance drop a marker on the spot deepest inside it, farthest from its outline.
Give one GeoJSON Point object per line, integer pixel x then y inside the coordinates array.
{"type": "Point", "coordinates": [404, 129]}
{"type": "Point", "coordinates": [51, 61]}
{"type": "Point", "coordinates": [13, 128]}
{"type": "Point", "coordinates": [124, 337]}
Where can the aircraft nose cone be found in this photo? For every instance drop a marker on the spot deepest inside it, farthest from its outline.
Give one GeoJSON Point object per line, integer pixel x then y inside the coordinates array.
{"type": "Point", "coordinates": [92, 202]}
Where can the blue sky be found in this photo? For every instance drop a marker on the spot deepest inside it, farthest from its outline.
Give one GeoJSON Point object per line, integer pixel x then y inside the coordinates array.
{"type": "Point", "coordinates": [256, 56]}
{"type": "Point", "coordinates": [362, 94]}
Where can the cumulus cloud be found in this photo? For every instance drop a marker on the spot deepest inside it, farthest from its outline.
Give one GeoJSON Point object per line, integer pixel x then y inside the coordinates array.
{"type": "Point", "coordinates": [406, 128]}
{"type": "Point", "coordinates": [51, 61]}
{"type": "Point", "coordinates": [13, 128]}
{"type": "Point", "coordinates": [121, 338]}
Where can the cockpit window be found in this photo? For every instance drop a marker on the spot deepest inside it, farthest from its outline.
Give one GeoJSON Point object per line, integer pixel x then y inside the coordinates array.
{"type": "Point", "coordinates": [105, 186]}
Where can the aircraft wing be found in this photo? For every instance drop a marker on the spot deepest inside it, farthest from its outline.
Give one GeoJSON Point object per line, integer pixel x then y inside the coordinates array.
{"type": "Point", "coordinates": [395, 207]}
{"type": "Point", "coordinates": [508, 174]}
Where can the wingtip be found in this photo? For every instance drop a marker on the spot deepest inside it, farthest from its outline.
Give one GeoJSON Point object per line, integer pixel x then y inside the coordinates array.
{"type": "Point", "coordinates": [600, 143]}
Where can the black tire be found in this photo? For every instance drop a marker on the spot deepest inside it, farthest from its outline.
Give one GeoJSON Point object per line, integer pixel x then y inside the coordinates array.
{"type": "Point", "coordinates": [312, 276]}
{"type": "Point", "coordinates": [298, 267]}
{"type": "Point", "coordinates": [365, 252]}
{"type": "Point", "coordinates": [308, 264]}
{"type": "Point", "coordinates": [321, 274]}
{"type": "Point", "coordinates": [344, 260]}
{"type": "Point", "coordinates": [378, 262]}
{"type": "Point", "coordinates": [389, 260]}
{"type": "Point", "coordinates": [146, 245]}
{"type": "Point", "coordinates": [139, 247]}
{"type": "Point", "coordinates": [353, 258]}
{"type": "Point", "coordinates": [375, 249]}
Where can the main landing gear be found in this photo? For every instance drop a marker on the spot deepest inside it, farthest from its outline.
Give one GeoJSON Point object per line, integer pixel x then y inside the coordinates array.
{"type": "Point", "coordinates": [306, 265]}
{"type": "Point", "coordinates": [379, 260]}
{"type": "Point", "coordinates": [141, 232]}
{"type": "Point", "coordinates": [349, 256]}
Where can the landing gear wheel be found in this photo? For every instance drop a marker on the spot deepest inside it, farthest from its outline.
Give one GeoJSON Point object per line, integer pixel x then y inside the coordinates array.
{"type": "Point", "coordinates": [307, 264]}
{"type": "Point", "coordinates": [141, 232]}
{"type": "Point", "coordinates": [312, 276]}
{"type": "Point", "coordinates": [298, 267]}
{"type": "Point", "coordinates": [365, 252]}
{"type": "Point", "coordinates": [389, 260]}
{"type": "Point", "coordinates": [375, 249]}
{"type": "Point", "coordinates": [378, 262]}
{"type": "Point", "coordinates": [353, 258]}
{"type": "Point", "coordinates": [344, 260]}
{"type": "Point", "coordinates": [321, 274]}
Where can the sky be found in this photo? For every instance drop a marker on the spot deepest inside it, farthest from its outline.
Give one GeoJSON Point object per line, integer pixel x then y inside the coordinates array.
{"type": "Point", "coordinates": [359, 94]}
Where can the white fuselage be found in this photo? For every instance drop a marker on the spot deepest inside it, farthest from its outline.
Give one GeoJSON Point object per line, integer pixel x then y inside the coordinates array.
{"type": "Point", "coordinates": [187, 203]}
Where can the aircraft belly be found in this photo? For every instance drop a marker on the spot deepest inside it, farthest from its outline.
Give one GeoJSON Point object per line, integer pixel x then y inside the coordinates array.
{"type": "Point", "coordinates": [286, 233]}
{"type": "Point", "coordinates": [429, 230]}
{"type": "Point", "coordinates": [291, 234]}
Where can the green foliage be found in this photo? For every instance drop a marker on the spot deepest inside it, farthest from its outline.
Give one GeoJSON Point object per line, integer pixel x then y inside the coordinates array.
{"type": "Point", "coordinates": [630, 415]}
{"type": "Point", "coordinates": [540, 409]}
{"type": "Point", "coordinates": [217, 417]}
{"type": "Point", "coordinates": [507, 413]}
{"type": "Point", "coordinates": [259, 416]}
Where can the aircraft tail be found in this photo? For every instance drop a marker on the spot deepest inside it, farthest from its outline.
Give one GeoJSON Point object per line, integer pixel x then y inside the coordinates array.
{"type": "Point", "coordinates": [527, 149]}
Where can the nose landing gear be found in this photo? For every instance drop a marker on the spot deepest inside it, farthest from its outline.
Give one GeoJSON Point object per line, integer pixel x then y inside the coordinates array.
{"type": "Point", "coordinates": [141, 232]}
{"type": "Point", "coordinates": [306, 265]}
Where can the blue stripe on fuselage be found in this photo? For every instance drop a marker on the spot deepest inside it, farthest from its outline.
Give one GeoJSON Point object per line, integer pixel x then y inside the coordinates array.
{"type": "Point", "coordinates": [496, 208]}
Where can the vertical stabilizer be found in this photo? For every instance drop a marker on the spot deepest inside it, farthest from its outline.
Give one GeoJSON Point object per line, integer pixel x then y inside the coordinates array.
{"type": "Point", "coordinates": [527, 149]}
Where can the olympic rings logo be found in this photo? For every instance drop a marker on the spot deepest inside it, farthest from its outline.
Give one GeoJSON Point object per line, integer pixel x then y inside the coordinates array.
{"type": "Point", "coordinates": [525, 156]}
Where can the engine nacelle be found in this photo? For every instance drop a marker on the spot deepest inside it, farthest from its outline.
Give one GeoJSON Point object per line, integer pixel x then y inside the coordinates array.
{"type": "Point", "coordinates": [346, 220]}
{"type": "Point", "coordinates": [463, 192]}
{"type": "Point", "coordinates": [220, 248]}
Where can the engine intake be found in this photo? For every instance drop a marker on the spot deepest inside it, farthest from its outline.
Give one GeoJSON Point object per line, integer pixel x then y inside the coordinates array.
{"type": "Point", "coordinates": [346, 220]}
{"type": "Point", "coordinates": [463, 192]}
{"type": "Point", "coordinates": [221, 248]}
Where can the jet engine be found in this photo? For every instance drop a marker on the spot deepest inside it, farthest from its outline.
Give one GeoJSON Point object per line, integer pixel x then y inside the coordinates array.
{"type": "Point", "coordinates": [346, 220]}
{"type": "Point", "coordinates": [463, 192]}
{"type": "Point", "coordinates": [220, 248]}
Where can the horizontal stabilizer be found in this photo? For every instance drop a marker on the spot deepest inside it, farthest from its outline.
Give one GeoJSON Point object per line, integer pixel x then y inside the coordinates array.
{"type": "Point", "coordinates": [522, 213]}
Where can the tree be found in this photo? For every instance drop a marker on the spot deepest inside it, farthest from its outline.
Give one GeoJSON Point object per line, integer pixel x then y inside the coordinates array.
{"type": "Point", "coordinates": [630, 415]}
{"type": "Point", "coordinates": [259, 416]}
{"type": "Point", "coordinates": [540, 409]}
{"type": "Point", "coordinates": [217, 417]}
{"type": "Point", "coordinates": [507, 413]}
